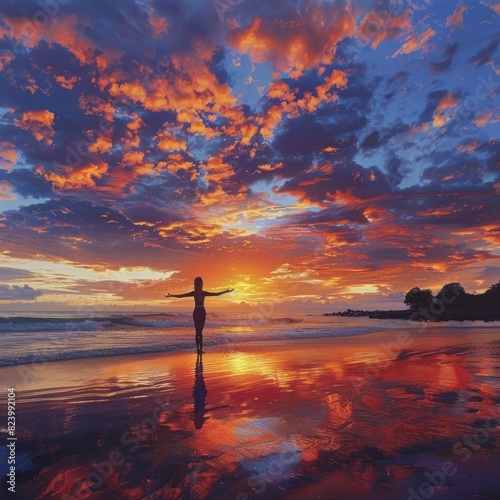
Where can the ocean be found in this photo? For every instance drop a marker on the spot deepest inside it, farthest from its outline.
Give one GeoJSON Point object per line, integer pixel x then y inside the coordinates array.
{"type": "Point", "coordinates": [37, 338]}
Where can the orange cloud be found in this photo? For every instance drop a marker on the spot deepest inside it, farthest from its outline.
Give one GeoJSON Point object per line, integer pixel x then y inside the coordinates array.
{"type": "Point", "coordinates": [446, 102]}
{"type": "Point", "coordinates": [416, 129]}
{"type": "Point", "coordinates": [177, 165]}
{"type": "Point", "coordinates": [292, 107]}
{"type": "Point", "coordinates": [439, 121]}
{"type": "Point", "coordinates": [297, 44]}
{"type": "Point", "coordinates": [323, 168]}
{"type": "Point", "coordinates": [5, 191]}
{"type": "Point", "coordinates": [39, 122]}
{"type": "Point", "coordinates": [191, 91]}
{"type": "Point", "coordinates": [312, 182]}
{"type": "Point", "coordinates": [67, 83]}
{"type": "Point", "coordinates": [102, 144]}
{"type": "Point", "coordinates": [8, 155]}
{"type": "Point", "coordinates": [22, 30]}
{"type": "Point", "coordinates": [268, 167]}
{"type": "Point", "coordinates": [470, 147]}
{"type": "Point", "coordinates": [30, 85]}
{"type": "Point", "coordinates": [451, 208]}
{"type": "Point", "coordinates": [218, 197]}
{"type": "Point", "coordinates": [383, 25]}
{"type": "Point", "coordinates": [456, 19]}
{"type": "Point", "coordinates": [240, 126]}
{"type": "Point", "coordinates": [62, 31]}
{"type": "Point", "coordinates": [132, 166]}
{"type": "Point", "coordinates": [167, 141]}
{"type": "Point", "coordinates": [84, 176]}
{"type": "Point", "coordinates": [159, 24]}
{"type": "Point", "coordinates": [212, 198]}
{"type": "Point", "coordinates": [278, 89]}
{"type": "Point", "coordinates": [485, 119]}
{"type": "Point", "coordinates": [130, 140]}
{"type": "Point", "coordinates": [133, 89]}
{"type": "Point", "coordinates": [132, 158]}
{"type": "Point", "coordinates": [102, 63]}
{"type": "Point", "coordinates": [270, 120]}
{"type": "Point", "coordinates": [414, 43]}
{"type": "Point", "coordinates": [188, 232]}
{"type": "Point", "coordinates": [6, 56]}
{"type": "Point", "coordinates": [217, 171]}
{"type": "Point", "coordinates": [311, 102]}
{"type": "Point", "coordinates": [136, 122]}
{"type": "Point", "coordinates": [198, 127]}
{"type": "Point", "coordinates": [248, 131]}
{"type": "Point", "coordinates": [93, 105]}
{"type": "Point", "coordinates": [336, 79]}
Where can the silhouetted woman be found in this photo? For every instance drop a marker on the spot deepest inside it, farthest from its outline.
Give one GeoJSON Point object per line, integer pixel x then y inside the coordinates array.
{"type": "Point", "coordinates": [199, 313]}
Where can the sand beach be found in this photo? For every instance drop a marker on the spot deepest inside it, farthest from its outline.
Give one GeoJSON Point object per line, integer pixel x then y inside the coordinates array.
{"type": "Point", "coordinates": [393, 414]}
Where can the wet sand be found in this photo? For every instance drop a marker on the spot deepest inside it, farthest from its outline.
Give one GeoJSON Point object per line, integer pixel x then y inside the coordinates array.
{"type": "Point", "coordinates": [386, 415]}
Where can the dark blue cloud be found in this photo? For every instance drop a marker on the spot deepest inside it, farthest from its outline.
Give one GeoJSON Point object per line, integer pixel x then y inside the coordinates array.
{"type": "Point", "coordinates": [371, 141]}
{"type": "Point", "coordinates": [15, 292]}
{"type": "Point", "coordinates": [432, 101]}
{"type": "Point", "coordinates": [218, 67]}
{"type": "Point", "coordinates": [72, 230]}
{"type": "Point", "coordinates": [485, 55]}
{"type": "Point", "coordinates": [460, 168]}
{"type": "Point", "coordinates": [445, 63]}
{"type": "Point", "coordinates": [10, 274]}
{"type": "Point", "coordinates": [26, 182]}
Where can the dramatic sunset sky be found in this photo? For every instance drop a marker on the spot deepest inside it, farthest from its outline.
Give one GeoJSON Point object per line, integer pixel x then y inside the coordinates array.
{"type": "Point", "coordinates": [316, 155]}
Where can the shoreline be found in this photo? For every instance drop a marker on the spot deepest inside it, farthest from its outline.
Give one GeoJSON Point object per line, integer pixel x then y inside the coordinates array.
{"type": "Point", "coordinates": [211, 344]}
{"type": "Point", "coordinates": [383, 345]}
{"type": "Point", "coordinates": [422, 315]}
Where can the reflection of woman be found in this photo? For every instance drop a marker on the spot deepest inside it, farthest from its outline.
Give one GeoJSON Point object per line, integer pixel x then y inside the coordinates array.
{"type": "Point", "coordinates": [200, 394]}
{"type": "Point", "coordinates": [199, 313]}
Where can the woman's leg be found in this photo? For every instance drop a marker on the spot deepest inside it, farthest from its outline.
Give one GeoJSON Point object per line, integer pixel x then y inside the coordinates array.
{"type": "Point", "coordinates": [201, 325]}
{"type": "Point", "coordinates": [199, 316]}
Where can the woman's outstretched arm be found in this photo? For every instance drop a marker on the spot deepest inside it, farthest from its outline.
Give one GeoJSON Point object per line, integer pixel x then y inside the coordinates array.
{"type": "Point", "coordinates": [216, 294]}
{"type": "Point", "coordinates": [182, 295]}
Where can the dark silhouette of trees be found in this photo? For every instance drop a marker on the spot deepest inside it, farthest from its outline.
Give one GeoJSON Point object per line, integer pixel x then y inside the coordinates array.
{"type": "Point", "coordinates": [452, 303]}
{"type": "Point", "coordinates": [492, 297]}
{"type": "Point", "coordinates": [417, 298]}
{"type": "Point", "coordinates": [453, 297]}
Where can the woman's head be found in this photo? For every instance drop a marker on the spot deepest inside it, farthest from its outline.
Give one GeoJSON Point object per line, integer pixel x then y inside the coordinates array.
{"type": "Point", "coordinates": [198, 284]}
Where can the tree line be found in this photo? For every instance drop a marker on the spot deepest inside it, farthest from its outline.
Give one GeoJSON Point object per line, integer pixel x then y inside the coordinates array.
{"type": "Point", "coordinates": [453, 297]}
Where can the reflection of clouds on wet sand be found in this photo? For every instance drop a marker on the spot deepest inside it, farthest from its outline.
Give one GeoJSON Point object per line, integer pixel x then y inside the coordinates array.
{"type": "Point", "coordinates": [288, 421]}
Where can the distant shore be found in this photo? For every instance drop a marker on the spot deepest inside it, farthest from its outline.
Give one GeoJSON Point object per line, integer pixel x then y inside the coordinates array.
{"type": "Point", "coordinates": [412, 315]}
